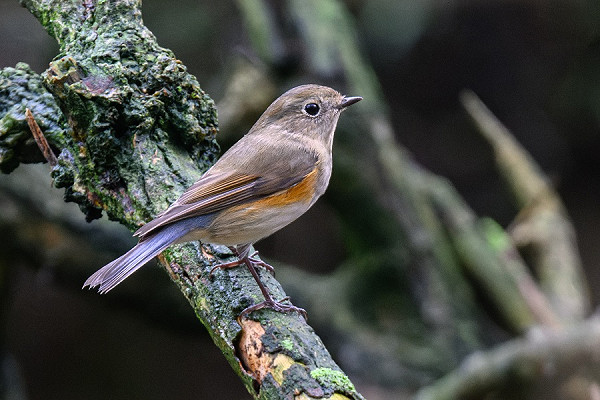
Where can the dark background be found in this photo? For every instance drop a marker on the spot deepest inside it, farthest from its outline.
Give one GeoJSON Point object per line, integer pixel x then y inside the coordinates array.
{"type": "Point", "coordinates": [536, 64]}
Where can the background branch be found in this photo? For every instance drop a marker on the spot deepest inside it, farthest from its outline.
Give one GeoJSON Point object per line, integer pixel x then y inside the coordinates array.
{"type": "Point", "coordinates": [542, 225]}
{"type": "Point", "coordinates": [545, 354]}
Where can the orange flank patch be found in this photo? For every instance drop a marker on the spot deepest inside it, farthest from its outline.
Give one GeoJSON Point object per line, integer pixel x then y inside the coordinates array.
{"type": "Point", "coordinates": [303, 191]}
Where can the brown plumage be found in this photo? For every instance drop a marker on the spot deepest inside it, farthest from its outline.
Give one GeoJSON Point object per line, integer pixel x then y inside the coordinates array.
{"type": "Point", "coordinates": [266, 180]}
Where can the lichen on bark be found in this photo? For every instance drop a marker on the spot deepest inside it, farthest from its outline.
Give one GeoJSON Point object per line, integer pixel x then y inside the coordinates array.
{"type": "Point", "coordinates": [133, 108]}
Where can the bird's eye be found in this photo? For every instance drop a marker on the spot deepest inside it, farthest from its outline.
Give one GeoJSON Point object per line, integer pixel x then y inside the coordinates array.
{"type": "Point", "coordinates": [312, 109]}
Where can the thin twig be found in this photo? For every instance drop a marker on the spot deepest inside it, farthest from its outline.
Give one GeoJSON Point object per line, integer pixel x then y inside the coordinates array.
{"type": "Point", "coordinates": [40, 139]}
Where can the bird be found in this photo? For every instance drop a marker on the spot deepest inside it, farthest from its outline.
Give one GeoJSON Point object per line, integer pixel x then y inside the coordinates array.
{"type": "Point", "coordinates": [266, 180]}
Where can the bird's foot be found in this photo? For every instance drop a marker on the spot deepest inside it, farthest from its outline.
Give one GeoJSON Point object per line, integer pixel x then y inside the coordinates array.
{"type": "Point", "coordinates": [242, 261]}
{"type": "Point", "coordinates": [276, 306]}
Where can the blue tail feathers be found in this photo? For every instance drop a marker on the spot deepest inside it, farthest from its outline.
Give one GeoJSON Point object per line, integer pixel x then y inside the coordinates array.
{"type": "Point", "coordinates": [109, 276]}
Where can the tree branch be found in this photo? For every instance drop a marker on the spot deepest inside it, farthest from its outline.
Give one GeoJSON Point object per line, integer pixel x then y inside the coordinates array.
{"type": "Point", "coordinates": [140, 131]}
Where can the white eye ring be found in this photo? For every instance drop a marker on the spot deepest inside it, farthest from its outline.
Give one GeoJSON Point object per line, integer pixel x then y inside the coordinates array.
{"type": "Point", "coordinates": [312, 109]}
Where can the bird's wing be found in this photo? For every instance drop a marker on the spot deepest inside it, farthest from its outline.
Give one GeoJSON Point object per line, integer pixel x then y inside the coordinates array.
{"type": "Point", "coordinates": [220, 188]}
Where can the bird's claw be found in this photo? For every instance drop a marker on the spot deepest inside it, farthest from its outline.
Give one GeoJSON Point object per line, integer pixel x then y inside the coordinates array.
{"type": "Point", "coordinates": [276, 306]}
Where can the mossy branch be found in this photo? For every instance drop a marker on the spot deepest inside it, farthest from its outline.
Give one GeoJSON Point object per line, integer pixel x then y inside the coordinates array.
{"type": "Point", "coordinates": [134, 130]}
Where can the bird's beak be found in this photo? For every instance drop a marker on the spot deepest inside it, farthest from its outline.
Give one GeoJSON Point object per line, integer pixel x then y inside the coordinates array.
{"type": "Point", "coordinates": [348, 101]}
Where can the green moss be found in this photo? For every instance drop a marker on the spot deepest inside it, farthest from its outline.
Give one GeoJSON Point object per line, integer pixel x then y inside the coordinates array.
{"type": "Point", "coordinates": [333, 379]}
{"type": "Point", "coordinates": [287, 344]}
{"type": "Point", "coordinates": [494, 234]}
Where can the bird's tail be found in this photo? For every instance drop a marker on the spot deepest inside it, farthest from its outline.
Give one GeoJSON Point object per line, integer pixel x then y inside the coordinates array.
{"type": "Point", "coordinates": [109, 276]}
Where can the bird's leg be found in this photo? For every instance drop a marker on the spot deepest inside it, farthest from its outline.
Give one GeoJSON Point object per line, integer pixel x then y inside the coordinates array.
{"type": "Point", "coordinates": [242, 252]}
{"type": "Point", "coordinates": [269, 301]}
{"type": "Point", "coordinates": [240, 261]}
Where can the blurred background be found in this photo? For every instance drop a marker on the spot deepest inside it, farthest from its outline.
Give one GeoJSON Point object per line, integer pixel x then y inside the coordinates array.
{"type": "Point", "coordinates": [535, 64]}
